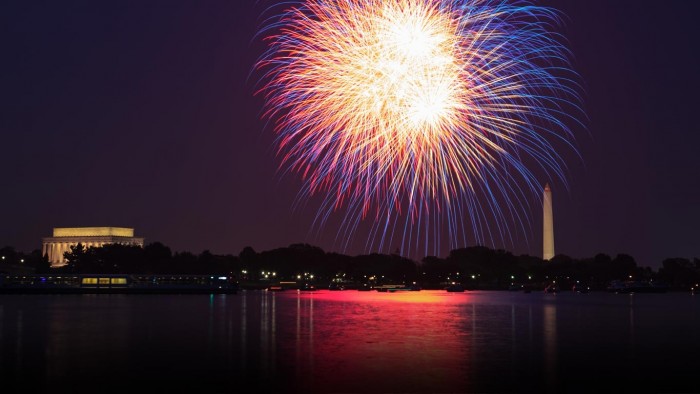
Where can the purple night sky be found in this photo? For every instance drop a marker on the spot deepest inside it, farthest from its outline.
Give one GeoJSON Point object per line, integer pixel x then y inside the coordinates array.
{"type": "Point", "coordinates": [141, 114]}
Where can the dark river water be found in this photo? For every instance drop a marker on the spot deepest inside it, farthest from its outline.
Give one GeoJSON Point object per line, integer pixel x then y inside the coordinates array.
{"type": "Point", "coordinates": [351, 342]}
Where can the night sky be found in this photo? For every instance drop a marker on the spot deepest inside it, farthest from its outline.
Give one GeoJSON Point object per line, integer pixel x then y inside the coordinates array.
{"type": "Point", "coordinates": [142, 114]}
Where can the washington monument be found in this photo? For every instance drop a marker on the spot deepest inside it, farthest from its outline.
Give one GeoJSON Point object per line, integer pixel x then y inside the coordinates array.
{"type": "Point", "coordinates": [547, 225]}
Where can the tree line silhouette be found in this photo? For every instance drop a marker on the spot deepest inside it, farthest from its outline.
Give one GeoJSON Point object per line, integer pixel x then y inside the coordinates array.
{"type": "Point", "coordinates": [475, 267]}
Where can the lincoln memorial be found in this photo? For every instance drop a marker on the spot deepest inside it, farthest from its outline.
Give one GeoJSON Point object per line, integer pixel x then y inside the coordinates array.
{"type": "Point", "coordinates": [64, 238]}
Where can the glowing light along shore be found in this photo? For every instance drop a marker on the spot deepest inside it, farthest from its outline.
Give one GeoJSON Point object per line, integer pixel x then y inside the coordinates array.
{"type": "Point", "coordinates": [427, 117]}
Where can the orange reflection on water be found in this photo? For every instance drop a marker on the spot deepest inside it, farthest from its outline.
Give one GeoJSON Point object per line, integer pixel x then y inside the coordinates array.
{"type": "Point", "coordinates": [441, 297]}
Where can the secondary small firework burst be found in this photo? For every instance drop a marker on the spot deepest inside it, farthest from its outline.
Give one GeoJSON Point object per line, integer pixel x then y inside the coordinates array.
{"type": "Point", "coordinates": [425, 117]}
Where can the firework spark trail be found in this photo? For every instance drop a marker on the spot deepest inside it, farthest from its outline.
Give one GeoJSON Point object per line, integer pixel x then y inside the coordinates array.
{"type": "Point", "coordinates": [419, 113]}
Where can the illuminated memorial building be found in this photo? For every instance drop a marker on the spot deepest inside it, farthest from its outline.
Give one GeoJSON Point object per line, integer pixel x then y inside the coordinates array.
{"type": "Point", "coordinates": [64, 238]}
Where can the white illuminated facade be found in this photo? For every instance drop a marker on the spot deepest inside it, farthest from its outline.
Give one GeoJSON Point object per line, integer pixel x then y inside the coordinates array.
{"type": "Point", "coordinates": [90, 237]}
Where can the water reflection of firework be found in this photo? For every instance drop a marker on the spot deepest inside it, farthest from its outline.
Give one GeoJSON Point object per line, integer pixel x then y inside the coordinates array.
{"type": "Point", "coordinates": [422, 115]}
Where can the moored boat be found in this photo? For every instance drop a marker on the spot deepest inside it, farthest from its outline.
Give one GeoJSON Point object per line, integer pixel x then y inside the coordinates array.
{"type": "Point", "coordinates": [414, 287]}
{"type": "Point", "coordinates": [391, 288]}
{"type": "Point", "coordinates": [455, 288]}
{"type": "Point", "coordinates": [307, 287]}
{"type": "Point", "coordinates": [637, 286]}
{"type": "Point", "coordinates": [336, 287]}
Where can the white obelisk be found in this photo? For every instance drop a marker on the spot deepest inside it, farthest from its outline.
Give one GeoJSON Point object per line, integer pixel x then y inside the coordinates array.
{"type": "Point", "coordinates": [547, 225]}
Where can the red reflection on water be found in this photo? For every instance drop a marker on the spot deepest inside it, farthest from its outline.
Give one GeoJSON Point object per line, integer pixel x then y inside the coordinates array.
{"type": "Point", "coordinates": [384, 342]}
{"type": "Point", "coordinates": [441, 297]}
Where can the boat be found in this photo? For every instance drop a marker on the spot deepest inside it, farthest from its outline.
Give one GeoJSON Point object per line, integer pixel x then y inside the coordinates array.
{"type": "Point", "coordinates": [616, 286]}
{"type": "Point", "coordinates": [637, 286]}
{"type": "Point", "coordinates": [455, 288]}
{"type": "Point", "coordinates": [117, 284]}
{"type": "Point", "coordinates": [390, 288]}
{"type": "Point", "coordinates": [282, 286]}
{"type": "Point", "coordinates": [552, 288]}
{"type": "Point", "coordinates": [307, 287]}
{"type": "Point", "coordinates": [580, 288]}
{"type": "Point", "coordinates": [364, 287]}
{"type": "Point", "coordinates": [336, 287]}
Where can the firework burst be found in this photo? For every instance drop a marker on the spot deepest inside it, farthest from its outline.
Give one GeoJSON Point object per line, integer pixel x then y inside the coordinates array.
{"type": "Point", "coordinates": [424, 116]}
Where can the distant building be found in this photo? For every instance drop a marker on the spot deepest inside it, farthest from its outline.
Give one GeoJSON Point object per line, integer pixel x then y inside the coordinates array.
{"type": "Point", "coordinates": [63, 238]}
